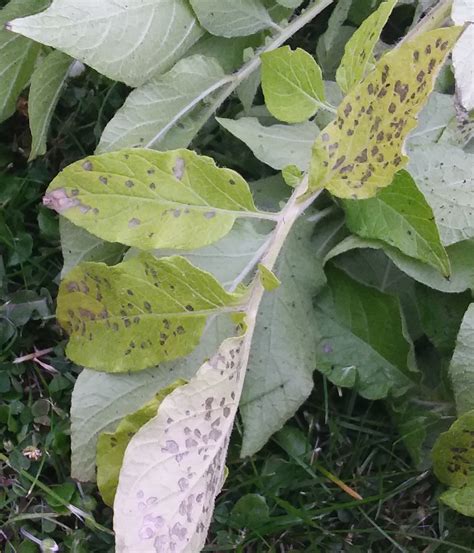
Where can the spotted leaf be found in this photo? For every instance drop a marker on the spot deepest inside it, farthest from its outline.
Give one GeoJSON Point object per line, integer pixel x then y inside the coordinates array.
{"type": "Point", "coordinates": [111, 446]}
{"type": "Point", "coordinates": [136, 314]}
{"type": "Point", "coordinates": [358, 53]}
{"type": "Point", "coordinates": [174, 466]}
{"type": "Point", "coordinates": [147, 199]}
{"type": "Point", "coordinates": [453, 463]}
{"type": "Point", "coordinates": [360, 151]}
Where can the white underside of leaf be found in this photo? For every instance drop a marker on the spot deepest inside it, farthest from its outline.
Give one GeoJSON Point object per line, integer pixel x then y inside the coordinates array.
{"type": "Point", "coordinates": [126, 40]}
{"type": "Point", "coordinates": [187, 441]}
{"type": "Point", "coordinates": [464, 68]}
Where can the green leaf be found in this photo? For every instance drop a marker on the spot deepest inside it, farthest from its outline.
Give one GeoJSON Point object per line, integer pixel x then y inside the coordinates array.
{"type": "Point", "coordinates": [251, 511]}
{"type": "Point", "coordinates": [101, 400]}
{"type": "Point", "coordinates": [360, 151]}
{"type": "Point", "coordinates": [444, 175]}
{"type": "Point", "coordinates": [78, 245]}
{"type": "Point", "coordinates": [283, 352]}
{"type": "Point", "coordinates": [291, 175]}
{"type": "Point", "coordinates": [292, 84]}
{"type": "Point", "coordinates": [111, 446]}
{"type": "Point", "coordinates": [150, 199]}
{"type": "Point", "coordinates": [292, 4]}
{"type": "Point", "coordinates": [268, 278]}
{"type": "Point", "coordinates": [400, 216]}
{"type": "Point", "coordinates": [229, 18]}
{"type": "Point", "coordinates": [433, 120]}
{"type": "Point", "coordinates": [136, 314]}
{"type": "Point", "coordinates": [275, 145]}
{"type": "Point", "coordinates": [358, 57]}
{"type": "Point", "coordinates": [47, 83]}
{"type": "Point", "coordinates": [175, 465]}
{"type": "Point", "coordinates": [18, 55]}
{"type": "Point", "coordinates": [362, 341]}
{"type": "Point", "coordinates": [128, 42]}
{"type": "Point", "coordinates": [151, 111]}
{"type": "Point", "coordinates": [453, 463]}
{"type": "Point", "coordinates": [461, 368]}
{"type": "Point", "coordinates": [441, 315]}
{"type": "Point", "coordinates": [460, 256]}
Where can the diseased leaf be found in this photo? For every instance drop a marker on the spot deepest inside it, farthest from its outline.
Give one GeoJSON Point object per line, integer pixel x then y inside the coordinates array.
{"type": "Point", "coordinates": [358, 57]}
{"type": "Point", "coordinates": [360, 151]}
{"type": "Point", "coordinates": [101, 400]}
{"type": "Point", "coordinates": [362, 342]}
{"type": "Point", "coordinates": [17, 55]}
{"type": "Point", "coordinates": [138, 313]}
{"type": "Point", "coordinates": [150, 199]}
{"type": "Point", "coordinates": [47, 83]}
{"type": "Point", "coordinates": [126, 41]}
{"type": "Point", "coordinates": [461, 369]}
{"type": "Point", "coordinates": [292, 84]}
{"type": "Point", "coordinates": [166, 494]}
{"type": "Point", "coordinates": [444, 174]}
{"type": "Point", "coordinates": [111, 446]}
{"type": "Point", "coordinates": [453, 463]}
{"type": "Point", "coordinates": [433, 120]}
{"type": "Point", "coordinates": [400, 216]}
{"type": "Point", "coordinates": [275, 145]}
{"type": "Point", "coordinates": [156, 107]}
{"type": "Point", "coordinates": [77, 245]}
{"type": "Point", "coordinates": [283, 352]}
{"type": "Point", "coordinates": [229, 18]}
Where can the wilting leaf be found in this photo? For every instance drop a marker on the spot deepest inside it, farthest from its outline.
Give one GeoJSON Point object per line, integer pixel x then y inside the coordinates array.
{"type": "Point", "coordinates": [174, 466]}
{"type": "Point", "coordinates": [47, 83]}
{"type": "Point", "coordinates": [460, 258]}
{"type": "Point", "coordinates": [18, 55]}
{"type": "Point", "coordinates": [101, 400]}
{"type": "Point", "coordinates": [362, 341]}
{"type": "Point", "coordinates": [136, 314]}
{"type": "Point", "coordinates": [150, 199]}
{"type": "Point", "coordinates": [292, 84]}
{"type": "Point", "coordinates": [358, 57]}
{"type": "Point", "coordinates": [275, 145]}
{"type": "Point", "coordinates": [231, 18]}
{"type": "Point", "coordinates": [360, 151]}
{"type": "Point", "coordinates": [111, 446]}
{"type": "Point", "coordinates": [453, 464]}
{"type": "Point", "coordinates": [461, 369]}
{"type": "Point", "coordinates": [400, 216]}
{"type": "Point", "coordinates": [126, 41]}
{"type": "Point", "coordinates": [153, 109]}
{"type": "Point", "coordinates": [444, 174]}
{"type": "Point", "coordinates": [77, 245]}
{"type": "Point", "coordinates": [283, 352]}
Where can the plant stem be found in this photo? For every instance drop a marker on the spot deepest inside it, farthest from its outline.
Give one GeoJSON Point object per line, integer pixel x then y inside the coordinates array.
{"type": "Point", "coordinates": [432, 20]}
{"type": "Point", "coordinates": [231, 82]}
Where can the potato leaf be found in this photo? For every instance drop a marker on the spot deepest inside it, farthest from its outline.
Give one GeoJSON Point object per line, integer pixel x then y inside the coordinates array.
{"type": "Point", "coordinates": [358, 53]}
{"type": "Point", "coordinates": [153, 109]}
{"type": "Point", "coordinates": [149, 199]}
{"type": "Point", "coordinates": [229, 18]}
{"type": "Point", "coordinates": [400, 216]}
{"type": "Point", "coordinates": [138, 313]}
{"type": "Point", "coordinates": [360, 151]}
{"type": "Point", "coordinates": [111, 446]}
{"type": "Point", "coordinates": [292, 84]}
{"type": "Point", "coordinates": [174, 466]}
{"type": "Point", "coordinates": [18, 55]}
{"type": "Point", "coordinates": [461, 368]}
{"type": "Point", "coordinates": [47, 83]}
{"type": "Point", "coordinates": [126, 41]}
{"type": "Point", "coordinates": [453, 464]}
